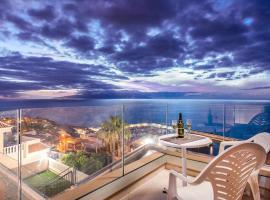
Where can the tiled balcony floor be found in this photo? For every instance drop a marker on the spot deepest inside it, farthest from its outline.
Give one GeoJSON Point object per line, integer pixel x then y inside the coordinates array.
{"type": "Point", "coordinates": [150, 188]}
{"type": "Point", "coordinates": [8, 189]}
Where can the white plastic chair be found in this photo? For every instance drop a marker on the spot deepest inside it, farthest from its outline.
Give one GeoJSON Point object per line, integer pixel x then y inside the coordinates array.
{"type": "Point", "coordinates": [224, 178]}
{"type": "Point", "coordinates": [262, 139]}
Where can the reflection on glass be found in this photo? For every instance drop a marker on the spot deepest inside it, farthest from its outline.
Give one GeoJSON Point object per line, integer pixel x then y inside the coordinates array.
{"type": "Point", "coordinates": [189, 124]}
{"type": "Point", "coordinates": [174, 124]}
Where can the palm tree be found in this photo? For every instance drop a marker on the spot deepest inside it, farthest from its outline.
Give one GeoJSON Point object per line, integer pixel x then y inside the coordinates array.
{"type": "Point", "coordinates": [110, 133]}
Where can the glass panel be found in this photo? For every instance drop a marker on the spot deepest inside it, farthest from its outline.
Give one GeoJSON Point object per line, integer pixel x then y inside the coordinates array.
{"type": "Point", "coordinates": [9, 166]}
{"type": "Point", "coordinates": [144, 123]}
{"type": "Point", "coordinates": [204, 117]}
{"type": "Point", "coordinates": [246, 120]}
{"type": "Point", "coordinates": [71, 145]}
{"type": "Point", "coordinates": [67, 146]}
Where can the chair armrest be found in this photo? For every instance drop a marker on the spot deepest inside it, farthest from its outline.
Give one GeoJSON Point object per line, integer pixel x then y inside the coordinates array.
{"type": "Point", "coordinates": [180, 176]}
{"type": "Point", "coordinates": [224, 144]}
{"type": "Point", "coordinates": [265, 170]}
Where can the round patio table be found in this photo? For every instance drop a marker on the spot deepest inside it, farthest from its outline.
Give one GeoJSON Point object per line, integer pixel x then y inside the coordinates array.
{"type": "Point", "coordinates": [193, 141]}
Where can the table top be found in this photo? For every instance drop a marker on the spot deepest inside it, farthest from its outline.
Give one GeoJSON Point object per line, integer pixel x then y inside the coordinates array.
{"type": "Point", "coordinates": [194, 141]}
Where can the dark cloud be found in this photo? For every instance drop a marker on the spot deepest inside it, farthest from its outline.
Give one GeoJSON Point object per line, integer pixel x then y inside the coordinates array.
{"type": "Point", "coordinates": [166, 45]}
{"type": "Point", "coordinates": [4, 8]}
{"type": "Point", "coordinates": [161, 46]}
{"type": "Point", "coordinates": [211, 76]}
{"type": "Point", "coordinates": [70, 7]}
{"type": "Point", "coordinates": [223, 76]}
{"type": "Point", "coordinates": [158, 52]}
{"type": "Point", "coordinates": [255, 55]}
{"type": "Point", "coordinates": [19, 22]}
{"type": "Point", "coordinates": [228, 39]}
{"type": "Point", "coordinates": [257, 10]}
{"type": "Point", "coordinates": [224, 62]}
{"type": "Point", "coordinates": [210, 31]}
{"type": "Point", "coordinates": [217, 29]}
{"type": "Point", "coordinates": [47, 13]}
{"type": "Point", "coordinates": [82, 43]}
{"type": "Point", "coordinates": [144, 66]}
{"type": "Point", "coordinates": [32, 73]}
{"type": "Point", "coordinates": [107, 49]}
{"type": "Point", "coordinates": [80, 26]}
{"type": "Point", "coordinates": [61, 29]}
{"type": "Point", "coordinates": [205, 67]}
{"type": "Point", "coordinates": [133, 13]}
{"type": "Point", "coordinates": [256, 71]}
{"type": "Point", "coordinates": [227, 75]}
{"type": "Point", "coordinates": [208, 34]}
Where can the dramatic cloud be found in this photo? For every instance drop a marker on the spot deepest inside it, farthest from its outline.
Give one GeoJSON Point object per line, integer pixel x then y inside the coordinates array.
{"type": "Point", "coordinates": [82, 43]}
{"type": "Point", "coordinates": [101, 48]}
{"type": "Point", "coordinates": [46, 13]}
{"type": "Point", "coordinates": [60, 29]}
{"type": "Point", "coordinates": [18, 22]}
{"type": "Point", "coordinates": [43, 73]}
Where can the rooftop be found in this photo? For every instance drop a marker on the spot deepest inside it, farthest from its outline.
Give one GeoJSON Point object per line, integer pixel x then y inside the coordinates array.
{"type": "Point", "coordinates": [37, 147]}
{"type": "Point", "coordinates": [26, 138]}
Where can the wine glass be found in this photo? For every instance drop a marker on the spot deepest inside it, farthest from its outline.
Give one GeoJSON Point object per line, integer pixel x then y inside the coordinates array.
{"type": "Point", "coordinates": [174, 124]}
{"type": "Point", "coordinates": [189, 124]}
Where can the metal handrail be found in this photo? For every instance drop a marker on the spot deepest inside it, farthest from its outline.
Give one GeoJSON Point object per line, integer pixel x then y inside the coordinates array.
{"type": "Point", "coordinates": [57, 178]}
{"type": "Point", "coordinates": [64, 171]}
{"type": "Point", "coordinates": [57, 183]}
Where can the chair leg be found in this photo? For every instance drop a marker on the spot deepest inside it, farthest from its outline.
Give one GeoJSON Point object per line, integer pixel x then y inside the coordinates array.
{"type": "Point", "coordinates": [254, 185]}
{"type": "Point", "coordinates": [172, 190]}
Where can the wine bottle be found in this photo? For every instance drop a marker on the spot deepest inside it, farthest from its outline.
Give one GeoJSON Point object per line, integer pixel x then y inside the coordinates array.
{"type": "Point", "coordinates": [180, 127]}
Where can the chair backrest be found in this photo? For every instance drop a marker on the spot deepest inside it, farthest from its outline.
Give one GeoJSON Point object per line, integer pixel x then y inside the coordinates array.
{"type": "Point", "coordinates": [229, 172]}
{"type": "Point", "coordinates": [262, 139]}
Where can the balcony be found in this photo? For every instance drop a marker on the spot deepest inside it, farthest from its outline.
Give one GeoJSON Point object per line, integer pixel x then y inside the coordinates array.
{"type": "Point", "coordinates": [112, 152]}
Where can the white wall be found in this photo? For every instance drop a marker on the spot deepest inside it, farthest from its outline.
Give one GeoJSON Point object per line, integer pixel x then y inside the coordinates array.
{"type": "Point", "coordinates": [56, 166]}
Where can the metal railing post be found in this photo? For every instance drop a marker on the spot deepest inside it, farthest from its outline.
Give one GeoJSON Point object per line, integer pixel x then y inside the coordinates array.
{"type": "Point", "coordinates": [19, 130]}
{"type": "Point", "coordinates": [233, 115]}
{"type": "Point", "coordinates": [166, 118]}
{"type": "Point", "coordinates": [123, 142]}
{"type": "Point", "coordinates": [224, 120]}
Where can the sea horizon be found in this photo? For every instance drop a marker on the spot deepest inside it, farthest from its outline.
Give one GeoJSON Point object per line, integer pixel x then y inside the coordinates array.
{"type": "Point", "coordinates": [162, 111]}
{"type": "Point", "coordinates": [39, 103]}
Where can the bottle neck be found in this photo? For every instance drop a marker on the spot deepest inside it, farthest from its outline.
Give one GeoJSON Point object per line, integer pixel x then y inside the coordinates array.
{"type": "Point", "coordinates": [180, 117]}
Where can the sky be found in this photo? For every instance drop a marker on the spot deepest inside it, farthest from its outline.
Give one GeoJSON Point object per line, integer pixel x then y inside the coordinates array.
{"type": "Point", "coordinates": [134, 49]}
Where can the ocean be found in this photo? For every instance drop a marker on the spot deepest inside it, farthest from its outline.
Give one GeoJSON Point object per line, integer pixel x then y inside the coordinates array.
{"type": "Point", "coordinates": [218, 116]}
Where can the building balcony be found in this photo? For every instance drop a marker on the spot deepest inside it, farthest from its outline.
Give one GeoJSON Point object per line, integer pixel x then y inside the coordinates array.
{"type": "Point", "coordinates": [114, 153]}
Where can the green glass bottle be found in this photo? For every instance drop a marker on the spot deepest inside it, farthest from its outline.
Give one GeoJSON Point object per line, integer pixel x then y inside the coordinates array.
{"type": "Point", "coordinates": [180, 127]}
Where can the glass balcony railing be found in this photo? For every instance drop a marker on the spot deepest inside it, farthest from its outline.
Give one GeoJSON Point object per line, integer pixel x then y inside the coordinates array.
{"type": "Point", "coordinates": [45, 151]}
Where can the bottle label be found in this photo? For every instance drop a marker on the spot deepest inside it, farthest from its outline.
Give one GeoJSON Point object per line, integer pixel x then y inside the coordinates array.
{"type": "Point", "coordinates": [180, 131]}
{"type": "Point", "coordinates": [180, 126]}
